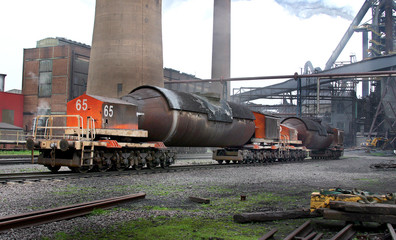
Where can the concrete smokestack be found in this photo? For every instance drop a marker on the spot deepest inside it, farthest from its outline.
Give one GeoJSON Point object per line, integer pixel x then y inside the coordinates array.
{"type": "Point", "coordinates": [2, 82]}
{"type": "Point", "coordinates": [126, 47]}
{"type": "Point", "coordinates": [221, 51]}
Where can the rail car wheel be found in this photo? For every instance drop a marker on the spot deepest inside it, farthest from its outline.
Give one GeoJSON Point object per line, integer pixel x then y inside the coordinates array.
{"type": "Point", "coordinates": [119, 162]}
{"type": "Point", "coordinates": [164, 164]}
{"type": "Point", "coordinates": [102, 167]}
{"type": "Point", "coordinates": [102, 164]}
{"type": "Point", "coordinates": [149, 165]}
{"type": "Point", "coordinates": [137, 167]}
{"type": "Point", "coordinates": [227, 161]}
{"type": "Point", "coordinates": [54, 169]}
{"type": "Point", "coordinates": [150, 160]}
{"type": "Point", "coordinates": [82, 169]}
{"type": "Point", "coordinates": [121, 165]}
{"type": "Point", "coordinates": [220, 161]}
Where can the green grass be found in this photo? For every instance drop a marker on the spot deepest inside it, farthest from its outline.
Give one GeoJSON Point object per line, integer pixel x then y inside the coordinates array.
{"type": "Point", "coordinates": [21, 152]}
{"type": "Point", "coordinates": [213, 221]}
{"type": "Point", "coordinates": [100, 211]}
{"type": "Point", "coordinates": [378, 154]}
{"type": "Point", "coordinates": [368, 180]}
{"type": "Point", "coordinates": [163, 228]}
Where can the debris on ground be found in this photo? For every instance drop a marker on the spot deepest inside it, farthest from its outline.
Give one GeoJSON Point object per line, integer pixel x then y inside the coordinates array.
{"type": "Point", "coordinates": [273, 216]}
{"type": "Point", "coordinates": [390, 164]}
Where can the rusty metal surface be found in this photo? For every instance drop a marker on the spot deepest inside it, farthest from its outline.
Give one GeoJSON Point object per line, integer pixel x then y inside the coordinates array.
{"type": "Point", "coordinates": [301, 231]}
{"type": "Point", "coordinates": [183, 119]}
{"type": "Point", "coordinates": [61, 213]}
{"type": "Point", "coordinates": [391, 231]}
{"type": "Point", "coordinates": [272, 125]}
{"type": "Point", "coordinates": [338, 137]}
{"type": "Point", "coordinates": [269, 235]}
{"type": "Point", "coordinates": [345, 234]}
{"type": "Point", "coordinates": [311, 133]}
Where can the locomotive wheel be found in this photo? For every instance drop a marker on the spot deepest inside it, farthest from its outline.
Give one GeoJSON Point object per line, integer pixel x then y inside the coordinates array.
{"type": "Point", "coordinates": [54, 169]}
{"type": "Point", "coordinates": [102, 168]}
{"type": "Point", "coordinates": [102, 165]}
{"type": "Point", "coordinates": [82, 169]}
{"type": "Point", "coordinates": [164, 164]}
{"type": "Point", "coordinates": [149, 165]}
{"type": "Point", "coordinates": [137, 167]}
{"type": "Point", "coordinates": [120, 167]}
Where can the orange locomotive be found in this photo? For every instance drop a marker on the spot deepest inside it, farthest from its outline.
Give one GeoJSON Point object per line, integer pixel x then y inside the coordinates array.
{"type": "Point", "coordinates": [100, 134]}
{"type": "Point", "coordinates": [271, 142]}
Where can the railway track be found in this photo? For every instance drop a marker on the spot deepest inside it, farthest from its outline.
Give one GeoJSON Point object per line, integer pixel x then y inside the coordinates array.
{"type": "Point", "coordinates": [16, 159]}
{"type": "Point", "coordinates": [62, 213]}
{"type": "Point", "coordinates": [25, 159]}
{"type": "Point", "coordinates": [61, 175]}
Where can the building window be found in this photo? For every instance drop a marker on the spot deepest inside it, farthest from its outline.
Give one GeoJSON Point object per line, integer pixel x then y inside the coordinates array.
{"type": "Point", "coordinates": [119, 88]}
{"type": "Point", "coordinates": [340, 108]}
{"type": "Point", "coordinates": [8, 116]}
{"type": "Point", "coordinates": [43, 120]}
{"type": "Point", "coordinates": [45, 78]}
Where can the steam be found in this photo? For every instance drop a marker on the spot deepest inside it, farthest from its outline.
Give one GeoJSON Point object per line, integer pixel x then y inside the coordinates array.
{"type": "Point", "coordinates": [306, 9]}
{"type": "Point", "coordinates": [301, 8]}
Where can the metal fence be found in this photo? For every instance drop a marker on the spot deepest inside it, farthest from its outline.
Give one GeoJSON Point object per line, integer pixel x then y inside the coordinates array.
{"type": "Point", "coordinates": [12, 136]}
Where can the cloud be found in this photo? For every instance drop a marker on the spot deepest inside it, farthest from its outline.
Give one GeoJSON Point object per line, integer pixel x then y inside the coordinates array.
{"type": "Point", "coordinates": [307, 8]}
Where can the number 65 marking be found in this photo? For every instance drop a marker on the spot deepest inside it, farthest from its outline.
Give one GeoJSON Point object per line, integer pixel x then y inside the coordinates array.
{"type": "Point", "coordinates": [108, 111]}
{"type": "Point", "coordinates": [83, 106]}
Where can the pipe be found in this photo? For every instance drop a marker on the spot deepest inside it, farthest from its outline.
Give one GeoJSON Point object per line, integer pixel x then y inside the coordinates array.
{"type": "Point", "coordinates": [331, 76]}
{"type": "Point", "coordinates": [366, 6]}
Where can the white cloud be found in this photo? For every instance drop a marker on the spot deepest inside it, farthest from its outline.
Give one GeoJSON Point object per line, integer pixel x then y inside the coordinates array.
{"type": "Point", "coordinates": [24, 22]}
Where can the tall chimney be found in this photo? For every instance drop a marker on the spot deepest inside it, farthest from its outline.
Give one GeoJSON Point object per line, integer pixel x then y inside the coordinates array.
{"type": "Point", "coordinates": [2, 82]}
{"type": "Point", "coordinates": [126, 47]}
{"type": "Point", "coordinates": [221, 53]}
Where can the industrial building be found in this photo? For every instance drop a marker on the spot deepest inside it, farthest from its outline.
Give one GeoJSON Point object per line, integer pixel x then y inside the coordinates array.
{"type": "Point", "coordinates": [335, 100]}
{"type": "Point", "coordinates": [11, 118]}
{"type": "Point", "coordinates": [53, 73]}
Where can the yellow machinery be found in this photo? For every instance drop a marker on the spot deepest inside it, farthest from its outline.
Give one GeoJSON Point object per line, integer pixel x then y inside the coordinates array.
{"type": "Point", "coordinates": [322, 199]}
{"type": "Point", "coordinates": [375, 142]}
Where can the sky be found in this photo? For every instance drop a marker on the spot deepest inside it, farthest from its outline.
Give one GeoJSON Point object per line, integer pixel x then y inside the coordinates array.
{"type": "Point", "coordinates": [268, 37]}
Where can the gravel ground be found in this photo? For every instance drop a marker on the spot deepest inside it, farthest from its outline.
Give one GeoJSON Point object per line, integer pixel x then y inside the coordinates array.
{"type": "Point", "coordinates": [171, 190]}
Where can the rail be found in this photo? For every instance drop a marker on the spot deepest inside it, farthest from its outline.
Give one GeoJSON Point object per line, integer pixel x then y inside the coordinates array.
{"type": "Point", "coordinates": [51, 131]}
{"type": "Point", "coordinates": [62, 213]}
{"type": "Point", "coordinates": [12, 137]}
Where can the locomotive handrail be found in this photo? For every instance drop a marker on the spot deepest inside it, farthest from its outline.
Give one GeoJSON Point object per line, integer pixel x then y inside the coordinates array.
{"type": "Point", "coordinates": [48, 128]}
{"type": "Point", "coordinates": [91, 129]}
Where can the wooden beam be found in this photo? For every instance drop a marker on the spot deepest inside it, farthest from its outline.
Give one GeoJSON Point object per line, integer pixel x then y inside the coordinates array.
{"type": "Point", "coordinates": [272, 216]}
{"type": "Point", "coordinates": [362, 217]}
{"type": "Point", "coordinates": [374, 208]}
{"type": "Point", "coordinates": [200, 200]}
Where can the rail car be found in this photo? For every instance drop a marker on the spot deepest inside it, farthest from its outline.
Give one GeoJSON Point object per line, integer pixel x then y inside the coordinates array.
{"type": "Point", "coordinates": [292, 139]}
{"type": "Point", "coordinates": [323, 141]}
{"type": "Point", "coordinates": [270, 142]}
{"type": "Point", "coordinates": [105, 133]}
{"type": "Point", "coordinates": [97, 133]}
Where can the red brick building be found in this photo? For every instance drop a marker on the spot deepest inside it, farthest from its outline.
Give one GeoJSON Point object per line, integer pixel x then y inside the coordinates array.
{"type": "Point", "coordinates": [11, 108]}
{"type": "Point", "coordinates": [53, 73]}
